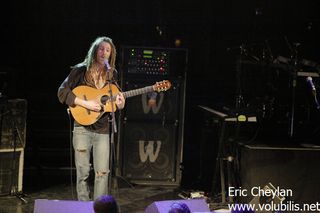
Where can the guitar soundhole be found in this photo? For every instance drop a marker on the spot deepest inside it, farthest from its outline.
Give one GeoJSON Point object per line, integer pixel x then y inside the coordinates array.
{"type": "Point", "coordinates": [104, 99]}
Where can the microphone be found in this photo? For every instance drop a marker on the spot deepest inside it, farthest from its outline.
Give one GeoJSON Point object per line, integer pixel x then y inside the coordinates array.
{"type": "Point", "coordinates": [309, 80]}
{"type": "Point", "coordinates": [106, 63]}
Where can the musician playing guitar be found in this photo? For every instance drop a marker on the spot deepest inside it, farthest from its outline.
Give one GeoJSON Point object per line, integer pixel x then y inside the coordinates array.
{"type": "Point", "coordinates": [95, 72]}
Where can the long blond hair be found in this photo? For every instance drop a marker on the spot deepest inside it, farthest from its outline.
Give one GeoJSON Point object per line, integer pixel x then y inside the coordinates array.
{"type": "Point", "coordinates": [92, 57]}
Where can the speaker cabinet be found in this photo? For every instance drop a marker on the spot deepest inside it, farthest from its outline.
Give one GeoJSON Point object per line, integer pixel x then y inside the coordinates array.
{"type": "Point", "coordinates": [151, 137]}
{"type": "Point", "coordinates": [11, 170]}
{"type": "Point", "coordinates": [166, 102]}
{"type": "Point", "coordinates": [289, 168]}
{"type": "Point", "coordinates": [195, 205]}
{"type": "Point", "coordinates": [150, 152]}
{"type": "Point", "coordinates": [13, 139]}
{"type": "Point", "coordinates": [13, 124]}
{"type": "Point", "coordinates": [65, 206]}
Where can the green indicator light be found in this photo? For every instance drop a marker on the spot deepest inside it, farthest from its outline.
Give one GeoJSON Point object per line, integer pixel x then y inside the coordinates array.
{"type": "Point", "coordinates": [148, 52]}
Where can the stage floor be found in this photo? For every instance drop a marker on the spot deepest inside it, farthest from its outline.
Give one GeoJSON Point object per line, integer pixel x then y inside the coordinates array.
{"type": "Point", "coordinates": [133, 200]}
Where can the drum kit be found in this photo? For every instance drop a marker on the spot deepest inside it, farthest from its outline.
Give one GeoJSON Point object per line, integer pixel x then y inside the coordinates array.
{"type": "Point", "coordinates": [277, 90]}
{"type": "Point", "coordinates": [281, 89]}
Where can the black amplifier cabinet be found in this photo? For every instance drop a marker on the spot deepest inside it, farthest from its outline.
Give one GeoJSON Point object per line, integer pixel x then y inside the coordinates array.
{"type": "Point", "coordinates": [151, 137]}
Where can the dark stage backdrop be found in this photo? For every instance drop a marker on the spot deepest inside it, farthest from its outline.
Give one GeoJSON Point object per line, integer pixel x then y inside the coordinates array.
{"type": "Point", "coordinates": [42, 39]}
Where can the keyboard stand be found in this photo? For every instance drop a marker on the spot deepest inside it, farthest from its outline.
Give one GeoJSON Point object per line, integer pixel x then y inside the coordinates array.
{"type": "Point", "coordinates": [222, 156]}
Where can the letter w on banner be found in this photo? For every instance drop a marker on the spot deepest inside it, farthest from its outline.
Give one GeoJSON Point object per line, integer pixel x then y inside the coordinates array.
{"type": "Point", "coordinates": [149, 150]}
{"type": "Point", "coordinates": [146, 107]}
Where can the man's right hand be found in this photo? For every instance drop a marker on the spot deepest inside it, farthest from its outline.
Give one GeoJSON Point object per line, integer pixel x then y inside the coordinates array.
{"type": "Point", "coordinates": [90, 104]}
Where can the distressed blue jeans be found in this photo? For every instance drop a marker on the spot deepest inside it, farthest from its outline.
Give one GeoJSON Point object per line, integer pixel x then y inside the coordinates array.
{"type": "Point", "coordinates": [83, 142]}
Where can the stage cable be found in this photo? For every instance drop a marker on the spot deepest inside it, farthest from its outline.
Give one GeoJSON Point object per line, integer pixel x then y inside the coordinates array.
{"type": "Point", "coordinates": [71, 154]}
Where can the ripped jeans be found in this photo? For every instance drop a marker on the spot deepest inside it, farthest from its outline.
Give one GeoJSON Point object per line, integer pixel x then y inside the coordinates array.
{"type": "Point", "coordinates": [83, 142]}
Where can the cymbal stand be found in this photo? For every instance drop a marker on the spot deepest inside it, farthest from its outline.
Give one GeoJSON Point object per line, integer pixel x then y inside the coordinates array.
{"type": "Point", "coordinates": [239, 95]}
{"type": "Point", "coordinates": [294, 73]}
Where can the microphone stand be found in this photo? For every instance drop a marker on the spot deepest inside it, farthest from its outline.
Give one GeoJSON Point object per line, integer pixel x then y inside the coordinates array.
{"type": "Point", "coordinates": [113, 130]}
{"type": "Point", "coordinates": [111, 134]}
{"type": "Point", "coordinates": [14, 187]}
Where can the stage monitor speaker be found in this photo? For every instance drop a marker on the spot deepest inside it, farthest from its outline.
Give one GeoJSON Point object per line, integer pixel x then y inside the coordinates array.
{"type": "Point", "coordinates": [11, 170]}
{"type": "Point", "coordinates": [150, 153]}
{"type": "Point", "coordinates": [292, 170]}
{"type": "Point", "coordinates": [62, 206]}
{"type": "Point", "coordinates": [195, 205]}
{"type": "Point", "coordinates": [13, 124]}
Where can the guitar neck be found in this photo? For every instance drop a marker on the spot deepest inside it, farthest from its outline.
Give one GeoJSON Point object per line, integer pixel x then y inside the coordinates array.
{"type": "Point", "coordinates": [136, 92]}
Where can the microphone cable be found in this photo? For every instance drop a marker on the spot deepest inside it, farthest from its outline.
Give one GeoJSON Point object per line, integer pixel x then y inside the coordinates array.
{"type": "Point", "coordinates": [71, 154]}
{"type": "Point", "coordinates": [316, 101]}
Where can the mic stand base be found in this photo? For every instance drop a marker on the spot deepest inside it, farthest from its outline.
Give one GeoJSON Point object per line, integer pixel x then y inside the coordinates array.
{"type": "Point", "coordinates": [21, 196]}
{"type": "Point", "coordinates": [124, 180]}
{"type": "Point", "coordinates": [115, 185]}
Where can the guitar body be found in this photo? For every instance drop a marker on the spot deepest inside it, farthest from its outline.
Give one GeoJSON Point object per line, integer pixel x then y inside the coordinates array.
{"type": "Point", "coordinates": [87, 117]}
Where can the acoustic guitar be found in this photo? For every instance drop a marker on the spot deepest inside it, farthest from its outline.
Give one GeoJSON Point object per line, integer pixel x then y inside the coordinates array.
{"type": "Point", "coordinates": [87, 117]}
